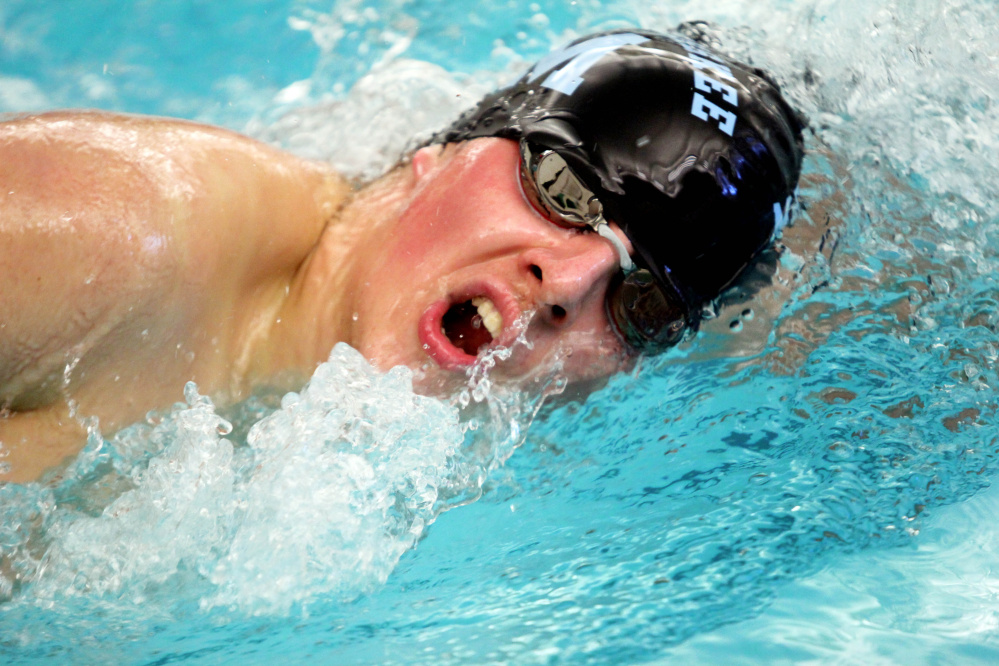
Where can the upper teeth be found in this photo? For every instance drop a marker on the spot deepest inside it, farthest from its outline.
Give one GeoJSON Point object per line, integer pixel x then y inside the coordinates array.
{"type": "Point", "coordinates": [489, 314]}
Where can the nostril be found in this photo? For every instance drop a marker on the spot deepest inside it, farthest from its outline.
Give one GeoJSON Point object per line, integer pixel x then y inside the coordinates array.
{"type": "Point", "coordinates": [536, 271]}
{"type": "Point", "coordinates": [558, 312]}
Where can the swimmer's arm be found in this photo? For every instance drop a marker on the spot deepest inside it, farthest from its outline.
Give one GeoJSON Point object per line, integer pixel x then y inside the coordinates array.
{"type": "Point", "coordinates": [112, 225]}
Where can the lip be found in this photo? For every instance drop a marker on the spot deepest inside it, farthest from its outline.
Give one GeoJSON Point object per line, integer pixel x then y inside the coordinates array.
{"type": "Point", "coordinates": [439, 347]}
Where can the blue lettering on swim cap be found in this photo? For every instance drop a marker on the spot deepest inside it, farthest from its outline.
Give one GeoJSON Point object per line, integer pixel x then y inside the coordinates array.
{"type": "Point", "coordinates": [727, 188]}
{"type": "Point", "coordinates": [578, 59]}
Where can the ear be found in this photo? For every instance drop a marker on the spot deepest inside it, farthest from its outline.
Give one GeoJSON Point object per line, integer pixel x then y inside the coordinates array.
{"type": "Point", "coordinates": [425, 160]}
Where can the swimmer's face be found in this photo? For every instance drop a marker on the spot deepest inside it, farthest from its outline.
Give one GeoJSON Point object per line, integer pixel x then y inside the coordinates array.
{"type": "Point", "coordinates": [470, 261]}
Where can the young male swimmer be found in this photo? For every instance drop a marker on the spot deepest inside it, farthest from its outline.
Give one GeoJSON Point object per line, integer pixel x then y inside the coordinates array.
{"type": "Point", "coordinates": [613, 191]}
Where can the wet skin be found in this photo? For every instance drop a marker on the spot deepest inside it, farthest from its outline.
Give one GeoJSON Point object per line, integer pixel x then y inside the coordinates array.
{"type": "Point", "coordinates": [468, 231]}
{"type": "Point", "coordinates": [138, 253]}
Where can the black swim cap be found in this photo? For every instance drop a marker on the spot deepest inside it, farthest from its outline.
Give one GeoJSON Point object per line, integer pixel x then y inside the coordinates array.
{"type": "Point", "coordinates": [696, 157]}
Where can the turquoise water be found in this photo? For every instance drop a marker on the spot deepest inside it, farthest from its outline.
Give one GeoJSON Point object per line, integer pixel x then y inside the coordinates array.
{"type": "Point", "coordinates": [809, 481]}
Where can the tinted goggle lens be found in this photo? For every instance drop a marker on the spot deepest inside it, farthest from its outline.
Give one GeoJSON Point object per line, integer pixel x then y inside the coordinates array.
{"type": "Point", "coordinates": [556, 191]}
{"type": "Point", "coordinates": [644, 316]}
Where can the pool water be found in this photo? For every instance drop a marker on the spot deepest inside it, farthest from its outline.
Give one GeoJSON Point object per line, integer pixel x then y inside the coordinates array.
{"type": "Point", "coordinates": [810, 480]}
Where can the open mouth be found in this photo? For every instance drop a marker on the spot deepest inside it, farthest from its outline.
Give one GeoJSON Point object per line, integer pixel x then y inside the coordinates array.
{"type": "Point", "coordinates": [455, 329]}
{"type": "Point", "coordinates": [472, 324]}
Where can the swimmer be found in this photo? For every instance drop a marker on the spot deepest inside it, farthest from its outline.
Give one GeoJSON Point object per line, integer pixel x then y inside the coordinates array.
{"type": "Point", "coordinates": [612, 192]}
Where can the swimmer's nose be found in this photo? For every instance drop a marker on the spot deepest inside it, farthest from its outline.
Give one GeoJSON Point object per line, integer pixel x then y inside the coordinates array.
{"type": "Point", "coordinates": [572, 277]}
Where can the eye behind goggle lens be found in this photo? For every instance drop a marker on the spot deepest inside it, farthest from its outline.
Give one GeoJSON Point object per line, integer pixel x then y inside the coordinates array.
{"type": "Point", "coordinates": [644, 316]}
{"type": "Point", "coordinates": [555, 190]}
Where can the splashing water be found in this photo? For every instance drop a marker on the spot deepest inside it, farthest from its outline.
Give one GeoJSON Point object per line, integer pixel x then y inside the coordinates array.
{"type": "Point", "coordinates": [845, 416]}
{"type": "Point", "coordinates": [323, 498]}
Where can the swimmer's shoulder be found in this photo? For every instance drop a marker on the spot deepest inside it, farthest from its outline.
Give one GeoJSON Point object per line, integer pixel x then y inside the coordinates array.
{"type": "Point", "coordinates": [169, 189]}
{"type": "Point", "coordinates": [229, 182]}
{"type": "Point", "coordinates": [119, 230]}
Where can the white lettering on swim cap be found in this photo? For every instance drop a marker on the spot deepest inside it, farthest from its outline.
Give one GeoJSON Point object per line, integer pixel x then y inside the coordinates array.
{"type": "Point", "coordinates": [705, 110]}
{"type": "Point", "coordinates": [577, 59]}
{"type": "Point", "coordinates": [709, 85]}
{"type": "Point", "coordinates": [702, 62]}
{"type": "Point", "coordinates": [700, 106]}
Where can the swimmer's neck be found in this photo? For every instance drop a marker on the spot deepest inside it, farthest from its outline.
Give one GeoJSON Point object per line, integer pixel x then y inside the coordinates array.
{"type": "Point", "coordinates": [297, 328]}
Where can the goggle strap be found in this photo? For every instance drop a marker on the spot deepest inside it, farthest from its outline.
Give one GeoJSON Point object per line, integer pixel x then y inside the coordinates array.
{"type": "Point", "coordinates": [602, 228]}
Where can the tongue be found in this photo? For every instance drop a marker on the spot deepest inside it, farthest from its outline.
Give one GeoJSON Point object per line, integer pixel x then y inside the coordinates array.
{"type": "Point", "coordinates": [464, 328]}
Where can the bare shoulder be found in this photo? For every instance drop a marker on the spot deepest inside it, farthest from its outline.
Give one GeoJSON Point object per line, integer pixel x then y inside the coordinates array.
{"type": "Point", "coordinates": [123, 165]}
{"type": "Point", "coordinates": [113, 225]}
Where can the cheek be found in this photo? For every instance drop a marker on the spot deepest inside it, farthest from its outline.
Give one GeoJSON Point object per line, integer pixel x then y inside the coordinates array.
{"type": "Point", "coordinates": [593, 363]}
{"type": "Point", "coordinates": [407, 253]}
{"type": "Point", "coordinates": [425, 235]}
{"type": "Point", "coordinates": [581, 354]}
{"type": "Point", "coordinates": [424, 245]}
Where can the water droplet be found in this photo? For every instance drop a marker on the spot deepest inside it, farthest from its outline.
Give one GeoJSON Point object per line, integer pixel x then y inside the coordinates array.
{"type": "Point", "coordinates": [354, 316]}
{"type": "Point", "coordinates": [539, 21]}
{"type": "Point", "coordinates": [735, 326]}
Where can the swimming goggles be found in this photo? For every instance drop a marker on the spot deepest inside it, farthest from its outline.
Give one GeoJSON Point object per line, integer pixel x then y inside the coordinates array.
{"type": "Point", "coordinates": [646, 318]}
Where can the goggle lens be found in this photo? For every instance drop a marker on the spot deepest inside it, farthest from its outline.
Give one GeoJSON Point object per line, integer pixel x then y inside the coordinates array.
{"type": "Point", "coordinates": [555, 190]}
{"type": "Point", "coordinates": [646, 319]}
{"type": "Point", "coordinates": [644, 316]}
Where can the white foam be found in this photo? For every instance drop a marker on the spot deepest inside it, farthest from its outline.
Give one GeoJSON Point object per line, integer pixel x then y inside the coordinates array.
{"type": "Point", "coordinates": [331, 490]}
{"type": "Point", "coordinates": [321, 501]}
{"type": "Point", "coordinates": [346, 478]}
{"type": "Point", "coordinates": [386, 113]}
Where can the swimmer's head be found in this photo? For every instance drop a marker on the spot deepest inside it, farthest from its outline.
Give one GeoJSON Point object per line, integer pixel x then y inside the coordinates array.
{"type": "Point", "coordinates": [694, 156]}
